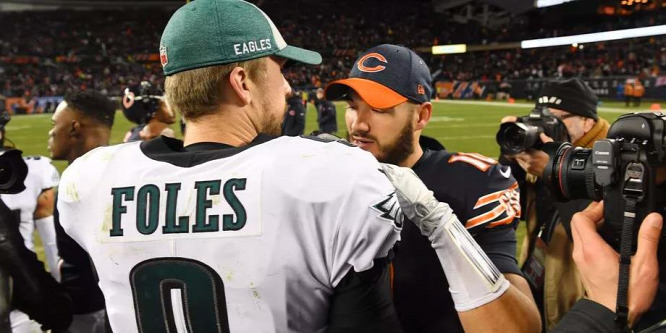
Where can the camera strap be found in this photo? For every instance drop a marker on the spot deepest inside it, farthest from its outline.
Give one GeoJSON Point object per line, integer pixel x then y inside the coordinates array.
{"type": "Point", "coordinates": [633, 191]}
{"type": "Point", "coordinates": [626, 240]}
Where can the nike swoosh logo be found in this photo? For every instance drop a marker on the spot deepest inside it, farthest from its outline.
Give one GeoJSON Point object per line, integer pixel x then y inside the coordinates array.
{"type": "Point", "coordinates": [506, 173]}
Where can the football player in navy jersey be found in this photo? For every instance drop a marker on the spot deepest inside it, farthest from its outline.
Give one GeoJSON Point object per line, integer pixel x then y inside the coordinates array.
{"type": "Point", "coordinates": [388, 94]}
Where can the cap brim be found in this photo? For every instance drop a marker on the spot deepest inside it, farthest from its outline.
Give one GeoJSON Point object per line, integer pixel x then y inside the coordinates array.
{"type": "Point", "coordinates": [300, 55]}
{"type": "Point", "coordinates": [376, 95]}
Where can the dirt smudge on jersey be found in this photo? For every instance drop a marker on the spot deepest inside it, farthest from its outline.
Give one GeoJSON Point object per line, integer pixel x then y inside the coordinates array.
{"type": "Point", "coordinates": [106, 223]}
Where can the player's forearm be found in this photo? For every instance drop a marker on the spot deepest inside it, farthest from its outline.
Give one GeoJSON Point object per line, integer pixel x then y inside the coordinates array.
{"type": "Point", "coordinates": [476, 285]}
{"type": "Point", "coordinates": [46, 228]}
{"type": "Point", "coordinates": [511, 312]}
{"type": "Point", "coordinates": [486, 300]}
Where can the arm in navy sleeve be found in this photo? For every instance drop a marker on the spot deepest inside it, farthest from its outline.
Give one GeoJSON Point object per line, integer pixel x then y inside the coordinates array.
{"type": "Point", "coordinates": [587, 316]}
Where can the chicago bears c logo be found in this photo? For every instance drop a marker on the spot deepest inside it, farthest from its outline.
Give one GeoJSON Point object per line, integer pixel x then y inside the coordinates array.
{"type": "Point", "coordinates": [128, 99]}
{"type": "Point", "coordinates": [361, 63]}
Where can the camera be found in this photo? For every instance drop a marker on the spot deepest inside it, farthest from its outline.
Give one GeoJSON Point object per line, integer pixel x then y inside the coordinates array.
{"type": "Point", "coordinates": [514, 138]}
{"type": "Point", "coordinates": [621, 169]}
{"type": "Point", "coordinates": [13, 171]}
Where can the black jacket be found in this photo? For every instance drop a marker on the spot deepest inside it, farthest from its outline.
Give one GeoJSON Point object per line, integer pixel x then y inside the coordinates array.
{"type": "Point", "coordinates": [294, 119]}
{"type": "Point", "coordinates": [326, 118]}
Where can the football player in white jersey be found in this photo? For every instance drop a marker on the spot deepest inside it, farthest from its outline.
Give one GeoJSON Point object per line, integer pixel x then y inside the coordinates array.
{"type": "Point", "coordinates": [34, 209]}
{"type": "Point", "coordinates": [82, 122]}
{"type": "Point", "coordinates": [231, 231]}
{"type": "Point", "coordinates": [235, 231]}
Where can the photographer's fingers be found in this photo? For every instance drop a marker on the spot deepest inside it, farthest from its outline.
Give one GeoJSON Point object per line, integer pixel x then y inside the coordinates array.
{"type": "Point", "coordinates": [545, 138]}
{"type": "Point", "coordinates": [509, 119]}
{"type": "Point", "coordinates": [594, 211]}
{"type": "Point", "coordinates": [649, 235]}
{"type": "Point", "coordinates": [644, 276]}
{"type": "Point", "coordinates": [584, 224]}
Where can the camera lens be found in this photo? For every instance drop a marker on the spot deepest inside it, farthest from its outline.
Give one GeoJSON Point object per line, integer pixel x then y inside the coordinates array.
{"type": "Point", "coordinates": [6, 174]}
{"type": "Point", "coordinates": [13, 171]}
{"type": "Point", "coordinates": [569, 172]}
{"type": "Point", "coordinates": [514, 138]}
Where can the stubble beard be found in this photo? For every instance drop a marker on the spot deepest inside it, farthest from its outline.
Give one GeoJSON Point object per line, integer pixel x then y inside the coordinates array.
{"type": "Point", "coordinates": [272, 122]}
{"type": "Point", "coordinates": [397, 151]}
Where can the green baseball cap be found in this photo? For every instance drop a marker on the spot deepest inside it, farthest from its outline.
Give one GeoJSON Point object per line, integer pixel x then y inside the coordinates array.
{"type": "Point", "coordinates": [214, 32]}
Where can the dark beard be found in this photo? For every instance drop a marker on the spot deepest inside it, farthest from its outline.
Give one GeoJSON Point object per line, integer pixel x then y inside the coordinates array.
{"type": "Point", "coordinates": [403, 146]}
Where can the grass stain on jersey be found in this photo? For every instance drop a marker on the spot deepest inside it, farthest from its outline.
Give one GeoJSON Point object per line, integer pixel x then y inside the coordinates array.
{"type": "Point", "coordinates": [255, 292]}
{"type": "Point", "coordinates": [71, 191]}
{"type": "Point", "coordinates": [106, 224]}
{"type": "Point", "coordinates": [215, 199]}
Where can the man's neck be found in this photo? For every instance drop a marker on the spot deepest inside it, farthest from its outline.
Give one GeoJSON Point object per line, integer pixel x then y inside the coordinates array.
{"type": "Point", "coordinates": [412, 158]}
{"type": "Point", "coordinates": [93, 139]}
{"type": "Point", "coordinates": [233, 127]}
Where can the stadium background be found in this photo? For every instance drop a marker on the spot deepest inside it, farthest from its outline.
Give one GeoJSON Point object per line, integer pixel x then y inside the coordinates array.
{"type": "Point", "coordinates": [51, 47]}
{"type": "Point", "coordinates": [458, 125]}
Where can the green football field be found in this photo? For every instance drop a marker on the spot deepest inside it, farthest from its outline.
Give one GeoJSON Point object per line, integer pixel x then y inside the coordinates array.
{"type": "Point", "coordinates": [465, 126]}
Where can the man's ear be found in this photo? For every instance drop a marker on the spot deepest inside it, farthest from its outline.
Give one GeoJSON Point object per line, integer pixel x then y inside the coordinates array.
{"type": "Point", "coordinates": [589, 124]}
{"type": "Point", "coordinates": [75, 128]}
{"type": "Point", "coordinates": [239, 82]}
{"type": "Point", "coordinates": [423, 114]}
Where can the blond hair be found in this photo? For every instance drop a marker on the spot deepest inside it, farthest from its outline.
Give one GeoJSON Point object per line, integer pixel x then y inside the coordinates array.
{"type": "Point", "coordinates": [198, 92]}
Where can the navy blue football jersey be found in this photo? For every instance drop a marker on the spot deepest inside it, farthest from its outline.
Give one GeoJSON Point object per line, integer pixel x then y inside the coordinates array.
{"type": "Point", "coordinates": [485, 198]}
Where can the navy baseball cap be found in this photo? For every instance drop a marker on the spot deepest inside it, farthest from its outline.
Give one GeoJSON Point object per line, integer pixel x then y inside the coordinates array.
{"type": "Point", "coordinates": [385, 76]}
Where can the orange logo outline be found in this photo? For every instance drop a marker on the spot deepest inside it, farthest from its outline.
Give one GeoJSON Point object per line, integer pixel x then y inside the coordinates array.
{"type": "Point", "coordinates": [128, 99]}
{"type": "Point", "coordinates": [375, 69]}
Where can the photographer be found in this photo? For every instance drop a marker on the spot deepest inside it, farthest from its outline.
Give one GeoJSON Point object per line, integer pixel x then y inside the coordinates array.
{"type": "Point", "coordinates": [598, 265]}
{"type": "Point", "coordinates": [33, 207]}
{"type": "Point", "coordinates": [626, 170]}
{"type": "Point", "coordinates": [25, 285]}
{"type": "Point", "coordinates": [546, 251]}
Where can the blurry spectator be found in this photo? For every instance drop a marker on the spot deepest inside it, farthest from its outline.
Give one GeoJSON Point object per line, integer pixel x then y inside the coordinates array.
{"type": "Point", "coordinates": [633, 91]}
{"type": "Point", "coordinates": [326, 113]}
{"type": "Point", "coordinates": [639, 91]}
{"type": "Point", "coordinates": [294, 118]}
{"type": "Point", "coordinates": [504, 92]}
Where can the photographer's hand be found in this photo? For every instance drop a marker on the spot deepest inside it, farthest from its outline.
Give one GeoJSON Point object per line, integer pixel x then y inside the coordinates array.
{"type": "Point", "coordinates": [509, 119]}
{"type": "Point", "coordinates": [598, 263]}
{"type": "Point", "coordinates": [533, 160]}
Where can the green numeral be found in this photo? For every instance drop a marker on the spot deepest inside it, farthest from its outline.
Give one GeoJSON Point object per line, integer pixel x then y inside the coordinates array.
{"type": "Point", "coordinates": [202, 290]}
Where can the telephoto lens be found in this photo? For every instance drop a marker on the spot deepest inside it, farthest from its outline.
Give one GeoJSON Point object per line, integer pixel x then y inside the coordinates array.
{"type": "Point", "coordinates": [517, 137]}
{"type": "Point", "coordinates": [569, 173]}
{"type": "Point", "coordinates": [514, 138]}
{"type": "Point", "coordinates": [13, 171]}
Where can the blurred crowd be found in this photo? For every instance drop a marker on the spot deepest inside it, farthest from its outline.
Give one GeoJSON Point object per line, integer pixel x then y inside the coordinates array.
{"type": "Point", "coordinates": [643, 58]}
{"type": "Point", "coordinates": [50, 53]}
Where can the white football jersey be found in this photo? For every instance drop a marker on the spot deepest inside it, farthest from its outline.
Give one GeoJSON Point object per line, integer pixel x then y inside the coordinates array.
{"type": "Point", "coordinates": [252, 240]}
{"type": "Point", "coordinates": [42, 175]}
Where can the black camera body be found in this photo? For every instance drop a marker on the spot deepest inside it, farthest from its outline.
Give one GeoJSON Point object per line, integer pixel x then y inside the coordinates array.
{"type": "Point", "coordinates": [514, 138]}
{"type": "Point", "coordinates": [621, 169]}
{"type": "Point", "coordinates": [13, 171]}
